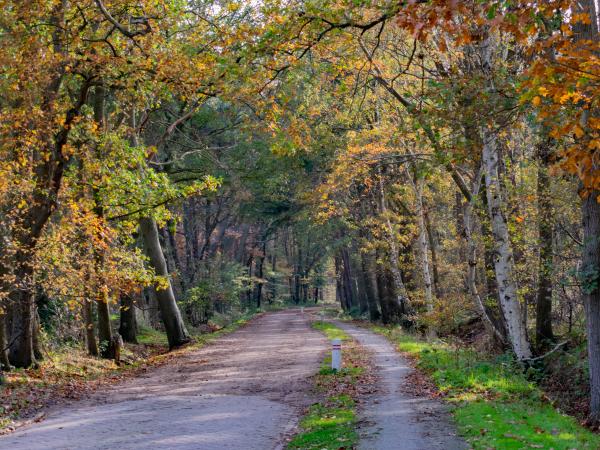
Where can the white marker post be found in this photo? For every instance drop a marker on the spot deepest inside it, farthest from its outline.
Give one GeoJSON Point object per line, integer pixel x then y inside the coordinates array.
{"type": "Point", "coordinates": [336, 354]}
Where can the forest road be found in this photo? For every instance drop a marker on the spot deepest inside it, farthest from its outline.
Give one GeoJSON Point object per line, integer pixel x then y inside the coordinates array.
{"type": "Point", "coordinates": [394, 418]}
{"type": "Point", "coordinates": [244, 391]}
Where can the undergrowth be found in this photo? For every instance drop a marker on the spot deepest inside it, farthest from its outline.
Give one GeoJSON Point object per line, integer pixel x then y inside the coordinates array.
{"type": "Point", "coordinates": [495, 404]}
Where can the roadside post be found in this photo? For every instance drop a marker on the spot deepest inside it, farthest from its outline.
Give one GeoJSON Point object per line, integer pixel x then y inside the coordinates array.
{"type": "Point", "coordinates": [336, 354]}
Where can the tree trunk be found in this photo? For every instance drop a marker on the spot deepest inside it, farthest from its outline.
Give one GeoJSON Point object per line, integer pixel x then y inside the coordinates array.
{"type": "Point", "coordinates": [590, 270]}
{"type": "Point", "coordinates": [468, 226]}
{"type": "Point", "coordinates": [347, 279]}
{"type": "Point", "coordinates": [591, 295]}
{"type": "Point", "coordinates": [177, 334]}
{"type": "Point", "coordinates": [423, 245]}
{"type": "Point", "coordinates": [363, 301]}
{"type": "Point", "coordinates": [90, 329]}
{"type": "Point", "coordinates": [391, 309]}
{"type": "Point", "coordinates": [173, 261]}
{"type": "Point", "coordinates": [260, 273]}
{"type": "Point", "coordinates": [400, 289]}
{"type": "Point", "coordinates": [366, 268]}
{"type": "Point", "coordinates": [543, 324]}
{"type": "Point", "coordinates": [433, 246]}
{"type": "Point", "coordinates": [105, 335]}
{"type": "Point", "coordinates": [21, 352]}
{"type": "Point", "coordinates": [339, 284]}
{"type": "Point", "coordinates": [127, 322]}
{"type": "Point", "coordinates": [4, 362]}
{"type": "Point", "coordinates": [503, 258]}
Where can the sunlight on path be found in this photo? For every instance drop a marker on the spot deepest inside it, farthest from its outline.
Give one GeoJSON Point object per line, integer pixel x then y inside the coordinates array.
{"type": "Point", "coordinates": [244, 391]}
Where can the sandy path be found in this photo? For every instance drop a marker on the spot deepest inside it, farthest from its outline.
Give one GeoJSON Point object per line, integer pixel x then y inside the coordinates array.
{"type": "Point", "coordinates": [242, 391]}
{"type": "Point", "coordinates": [395, 419]}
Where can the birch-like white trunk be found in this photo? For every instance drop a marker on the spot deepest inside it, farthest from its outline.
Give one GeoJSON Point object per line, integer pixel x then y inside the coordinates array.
{"type": "Point", "coordinates": [503, 257]}
{"type": "Point", "coordinates": [472, 261]}
{"type": "Point", "coordinates": [402, 295]}
{"type": "Point", "coordinates": [423, 244]}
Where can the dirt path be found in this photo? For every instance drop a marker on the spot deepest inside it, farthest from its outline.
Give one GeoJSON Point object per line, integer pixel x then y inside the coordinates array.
{"type": "Point", "coordinates": [243, 391]}
{"type": "Point", "coordinates": [397, 420]}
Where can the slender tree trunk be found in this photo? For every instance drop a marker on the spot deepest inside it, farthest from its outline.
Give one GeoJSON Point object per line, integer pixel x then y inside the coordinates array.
{"type": "Point", "coordinates": [177, 334]}
{"type": "Point", "coordinates": [591, 295]}
{"type": "Point", "coordinates": [90, 328]}
{"type": "Point", "coordinates": [437, 288]}
{"type": "Point", "coordinates": [347, 279]}
{"type": "Point", "coordinates": [260, 274]}
{"type": "Point", "coordinates": [105, 335]}
{"type": "Point", "coordinates": [127, 322]}
{"type": "Point", "coordinates": [468, 226]}
{"type": "Point", "coordinates": [339, 283]}
{"type": "Point", "coordinates": [21, 352]}
{"type": "Point", "coordinates": [543, 325]}
{"type": "Point", "coordinates": [503, 258]}
{"type": "Point", "coordinates": [363, 300]}
{"type": "Point", "coordinates": [391, 309]}
{"type": "Point", "coordinates": [370, 287]}
{"type": "Point", "coordinates": [423, 245]}
{"type": "Point", "coordinates": [173, 261]}
{"type": "Point", "coordinates": [400, 289]}
{"type": "Point", "coordinates": [590, 270]}
{"type": "Point", "coordinates": [4, 362]}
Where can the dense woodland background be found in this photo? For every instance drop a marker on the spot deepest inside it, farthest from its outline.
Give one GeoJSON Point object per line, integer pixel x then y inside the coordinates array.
{"type": "Point", "coordinates": [433, 164]}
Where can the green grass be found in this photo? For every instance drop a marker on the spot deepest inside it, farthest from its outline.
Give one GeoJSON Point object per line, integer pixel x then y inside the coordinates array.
{"type": "Point", "coordinates": [330, 330]}
{"type": "Point", "coordinates": [150, 336]}
{"type": "Point", "coordinates": [330, 424]}
{"type": "Point", "coordinates": [495, 405]}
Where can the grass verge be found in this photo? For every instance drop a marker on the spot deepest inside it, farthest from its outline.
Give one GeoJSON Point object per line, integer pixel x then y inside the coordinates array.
{"type": "Point", "coordinates": [68, 373]}
{"type": "Point", "coordinates": [495, 405]}
{"type": "Point", "coordinates": [331, 423]}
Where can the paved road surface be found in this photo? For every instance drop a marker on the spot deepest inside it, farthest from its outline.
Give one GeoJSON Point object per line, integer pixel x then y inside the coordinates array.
{"type": "Point", "coordinates": [243, 391]}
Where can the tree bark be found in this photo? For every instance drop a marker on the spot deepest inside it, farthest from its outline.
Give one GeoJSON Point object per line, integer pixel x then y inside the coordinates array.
{"type": "Point", "coordinates": [503, 257]}
{"type": "Point", "coordinates": [21, 351]}
{"type": "Point", "coordinates": [105, 334]}
{"type": "Point", "coordinates": [590, 270]}
{"type": "Point", "coordinates": [177, 334]}
{"type": "Point", "coordinates": [90, 328]}
{"type": "Point", "coordinates": [4, 362]}
{"type": "Point", "coordinates": [127, 322]}
{"type": "Point", "coordinates": [423, 245]}
{"type": "Point", "coordinates": [590, 275]}
{"type": "Point", "coordinates": [391, 309]}
{"type": "Point", "coordinates": [543, 325]}
{"type": "Point", "coordinates": [437, 288]}
{"type": "Point", "coordinates": [366, 269]}
{"type": "Point", "coordinates": [400, 288]}
{"type": "Point", "coordinates": [468, 227]}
